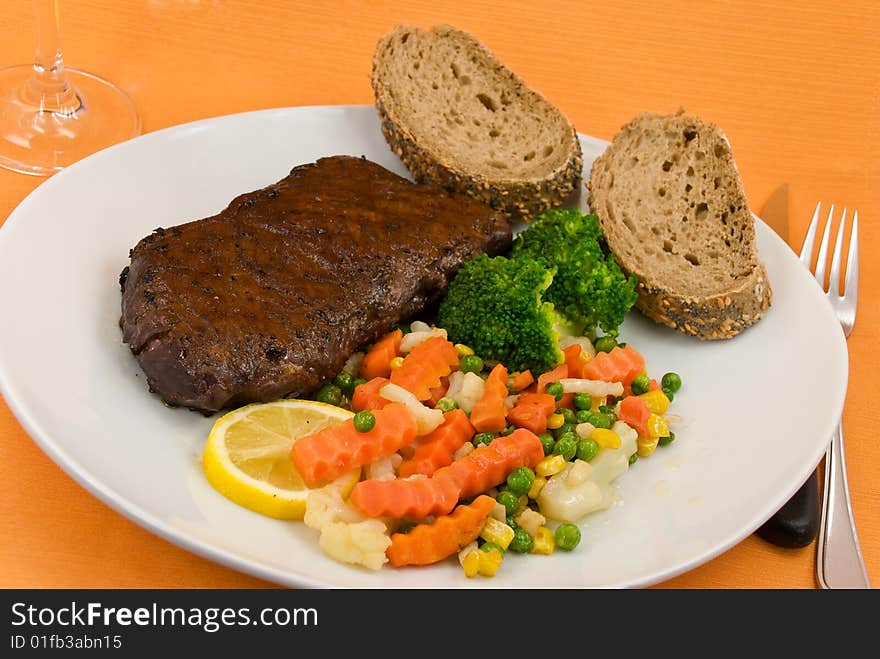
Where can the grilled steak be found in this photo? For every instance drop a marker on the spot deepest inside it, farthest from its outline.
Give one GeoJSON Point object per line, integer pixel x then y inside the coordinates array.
{"type": "Point", "coordinates": [270, 297]}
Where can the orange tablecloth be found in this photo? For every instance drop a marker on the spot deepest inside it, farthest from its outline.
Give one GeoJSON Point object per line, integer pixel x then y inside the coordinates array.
{"type": "Point", "coordinates": [795, 85]}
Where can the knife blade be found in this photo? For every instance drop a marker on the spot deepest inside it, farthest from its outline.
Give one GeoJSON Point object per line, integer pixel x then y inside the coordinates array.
{"type": "Point", "coordinates": [796, 524]}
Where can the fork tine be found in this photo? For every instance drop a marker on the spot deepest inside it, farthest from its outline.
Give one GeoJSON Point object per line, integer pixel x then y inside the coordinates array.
{"type": "Point", "coordinates": [822, 259]}
{"type": "Point", "coordinates": [810, 238]}
{"type": "Point", "coordinates": [834, 276]}
{"type": "Point", "coordinates": [851, 287]}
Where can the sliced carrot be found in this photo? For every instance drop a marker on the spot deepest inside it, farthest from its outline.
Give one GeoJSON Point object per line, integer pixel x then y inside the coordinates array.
{"type": "Point", "coordinates": [425, 365]}
{"type": "Point", "coordinates": [555, 375]}
{"type": "Point", "coordinates": [377, 360]}
{"type": "Point", "coordinates": [489, 414]}
{"type": "Point", "coordinates": [619, 365]}
{"type": "Point", "coordinates": [429, 543]}
{"type": "Point", "coordinates": [520, 381]}
{"type": "Point", "coordinates": [574, 360]}
{"type": "Point", "coordinates": [335, 450]}
{"type": "Point", "coordinates": [366, 396]}
{"type": "Point", "coordinates": [485, 467]}
{"type": "Point", "coordinates": [438, 392]}
{"type": "Point", "coordinates": [531, 412]}
{"type": "Point", "coordinates": [634, 413]}
{"type": "Point", "coordinates": [435, 450]}
{"type": "Point", "coordinates": [490, 464]}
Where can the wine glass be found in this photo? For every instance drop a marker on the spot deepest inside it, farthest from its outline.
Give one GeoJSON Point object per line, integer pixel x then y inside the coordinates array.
{"type": "Point", "coordinates": [52, 116]}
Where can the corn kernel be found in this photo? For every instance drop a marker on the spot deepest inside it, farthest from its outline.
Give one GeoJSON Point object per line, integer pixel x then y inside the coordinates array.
{"type": "Point", "coordinates": [605, 438]}
{"type": "Point", "coordinates": [470, 563]}
{"type": "Point", "coordinates": [545, 542]}
{"type": "Point", "coordinates": [537, 485]}
{"type": "Point", "coordinates": [462, 350]}
{"type": "Point", "coordinates": [646, 446]}
{"type": "Point", "coordinates": [555, 421]}
{"type": "Point", "coordinates": [595, 402]}
{"type": "Point", "coordinates": [397, 362]}
{"type": "Point", "coordinates": [657, 426]}
{"type": "Point", "coordinates": [656, 401]}
{"type": "Point", "coordinates": [550, 465]}
{"type": "Point", "coordinates": [489, 561]}
{"type": "Point", "coordinates": [498, 532]}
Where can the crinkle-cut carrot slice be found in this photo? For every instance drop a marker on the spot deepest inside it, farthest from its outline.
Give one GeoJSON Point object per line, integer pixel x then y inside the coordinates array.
{"type": "Point", "coordinates": [619, 365]}
{"type": "Point", "coordinates": [466, 477]}
{"type": "Point", "coordinates": [634, 412]}
{"type": "Point", "coordinates": [429, 543]}
{"type": "Point", "coordinates": [531, 412]}
{"type": "Point", "coordinates": [366, 396]}
{"type": "Point", "coordinates": [335, 450]}
{"type": "Point", "coordinates": [489, 414]}
{"type": "Point", "coordinates": [377, 360]}
{"type": "Point", "coordinates": [557, 374]}
{"type": "Point", "coordinates": [425, 366]}
{"type": "Point", "coordinates": [521, 380]}
{"type": "Point", "coordinates": [435, 450]}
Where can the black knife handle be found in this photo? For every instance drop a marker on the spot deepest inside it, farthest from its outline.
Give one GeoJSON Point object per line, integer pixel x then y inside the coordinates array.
{"type": "Point", "coordinates": [796, 524]}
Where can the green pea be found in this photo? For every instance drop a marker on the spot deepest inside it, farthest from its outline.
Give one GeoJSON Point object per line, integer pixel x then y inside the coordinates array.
{"type": "Point", "coordinates": [583, 401]}
{"type": "Point", "coordinates": [489, 546]}
{"type": "Point", "coordinates": [511, 522]}
{"type": "Point", "coordinates": [568, 416]}
{"type": "Point", "coordinates": [609, 412]}
{"type": "Point", "coordinates": [671, 381]}
{"type": "Point", "coordinates": [622, 344]}
{"type": "Point", "coordinates": [567, 536]}
{"type": "Point", "coordinates": [520, 480]}
{"type": "Point", "coordinates": [605, 344]}
{"type": "Point", "coordinates": [470, 364]}
{"type": "Point", "coordinates": [583, 416]}
{"type": "Point", "coordinates": [668, 393]}
{"type": "Point", "coordinates": [566, 445]}
{"type": "Point", "coordinates": [446, 404]}
{"type": "Point", "coordinates": [508, 430]}
{"type": "Point", "coordinates": [633, 458]}
{"type": "Point", "coordinates": [522, 542]}
{"type": "Point", "coordinates": [509, 500]}
{"type": "Point", "coordinates": [640, 384]}
{"type": "Point", "coordinates": [482, 439]}
{"type": "Point", "coordinates": [600, 420]}
{"type": "Point", "coordinates": [587, 449]}
{"type": "Point", "coordinates": [364, 421]}
{"type": "Point", "coordinates": [547, 442]}
{"type": "Point", "coordinates": [663, 441]}
{"type": "Point", "coordinates": [564, 428]}
{"type": "Point", "coordinates": [345, 382]}
{"type": "Point", "coordinates": [330, 394]}
{"type": "Point", "coordinates": [555, 390]}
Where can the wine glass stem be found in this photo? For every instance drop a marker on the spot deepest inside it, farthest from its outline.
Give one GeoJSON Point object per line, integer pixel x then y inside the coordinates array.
{"type": "Point", "coordinates": [49, 88]}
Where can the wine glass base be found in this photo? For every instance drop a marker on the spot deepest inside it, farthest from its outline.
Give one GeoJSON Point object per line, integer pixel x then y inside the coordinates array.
{"type": "Point", "coordinates": [40, 142]}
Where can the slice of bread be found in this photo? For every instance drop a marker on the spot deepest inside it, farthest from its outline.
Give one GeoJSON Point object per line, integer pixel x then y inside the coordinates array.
{"type": "Point", "coordinates": [456, 116]}
{"type": "Point", "coordinates": [671, 204]}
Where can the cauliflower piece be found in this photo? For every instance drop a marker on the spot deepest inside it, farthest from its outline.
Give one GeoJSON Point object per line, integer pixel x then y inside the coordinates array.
{"type": "Point", "coordinates": [326, 506]}
{"type": "Point", "coordinates": [427, 419]}
{"type": "Point", "coordinates": [415, 337]}
{"type": "Point", "coordinates": [465, 389]}
{"type": "Point", "coordinates": [359, 543]}
{"type": "Point", "coordinates": [385, 468]}
{"type": "Point", "coordinates": [596, 388]}
{"type": "Point", "coordinates": [569, 499]}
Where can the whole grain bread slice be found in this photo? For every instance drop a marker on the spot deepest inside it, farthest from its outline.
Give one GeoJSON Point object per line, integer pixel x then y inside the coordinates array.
{"type": "Point", "coordinates": [672, 206]}
{"type": "Point", "coordinates": [458, 117]}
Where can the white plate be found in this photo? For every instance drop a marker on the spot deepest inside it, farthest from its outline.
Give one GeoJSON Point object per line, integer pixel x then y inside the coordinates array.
{"type": "Point", "coordinates": [757, 410]}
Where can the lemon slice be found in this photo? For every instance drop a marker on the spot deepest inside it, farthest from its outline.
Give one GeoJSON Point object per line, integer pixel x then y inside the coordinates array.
{"type": "Point", "coordinates": [247, 455]}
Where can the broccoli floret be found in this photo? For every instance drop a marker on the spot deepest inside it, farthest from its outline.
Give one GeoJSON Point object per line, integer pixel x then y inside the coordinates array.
{"type": "Point", "coordinates": [589, 289]}
{"type": "Point", "coordinates": [495, 306]}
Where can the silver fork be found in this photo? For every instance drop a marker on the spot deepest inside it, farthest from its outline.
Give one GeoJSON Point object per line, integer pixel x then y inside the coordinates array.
{"type": "Point", "coordinates": [839, 561]}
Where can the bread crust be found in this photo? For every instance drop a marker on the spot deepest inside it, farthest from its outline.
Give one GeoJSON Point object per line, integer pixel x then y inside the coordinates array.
{"type": "Point", "coordinates": [719, 315]}
{"type": "Point", "coordinates": [519, 199]}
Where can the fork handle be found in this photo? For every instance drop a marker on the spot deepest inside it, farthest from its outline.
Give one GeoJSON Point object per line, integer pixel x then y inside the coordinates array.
{"type": "Point", "coordinates": [839, 561]}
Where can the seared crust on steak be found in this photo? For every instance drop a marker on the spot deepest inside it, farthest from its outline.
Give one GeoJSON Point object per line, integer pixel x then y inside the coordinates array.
{"type": "Point", "coordinates": [270, 297]}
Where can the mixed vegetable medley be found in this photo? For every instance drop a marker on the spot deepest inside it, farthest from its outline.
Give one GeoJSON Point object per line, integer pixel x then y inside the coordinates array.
{"type": "Point", "coordinates": [499, 427]}
{"type": "Point", "coordinates": [496, 428]}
